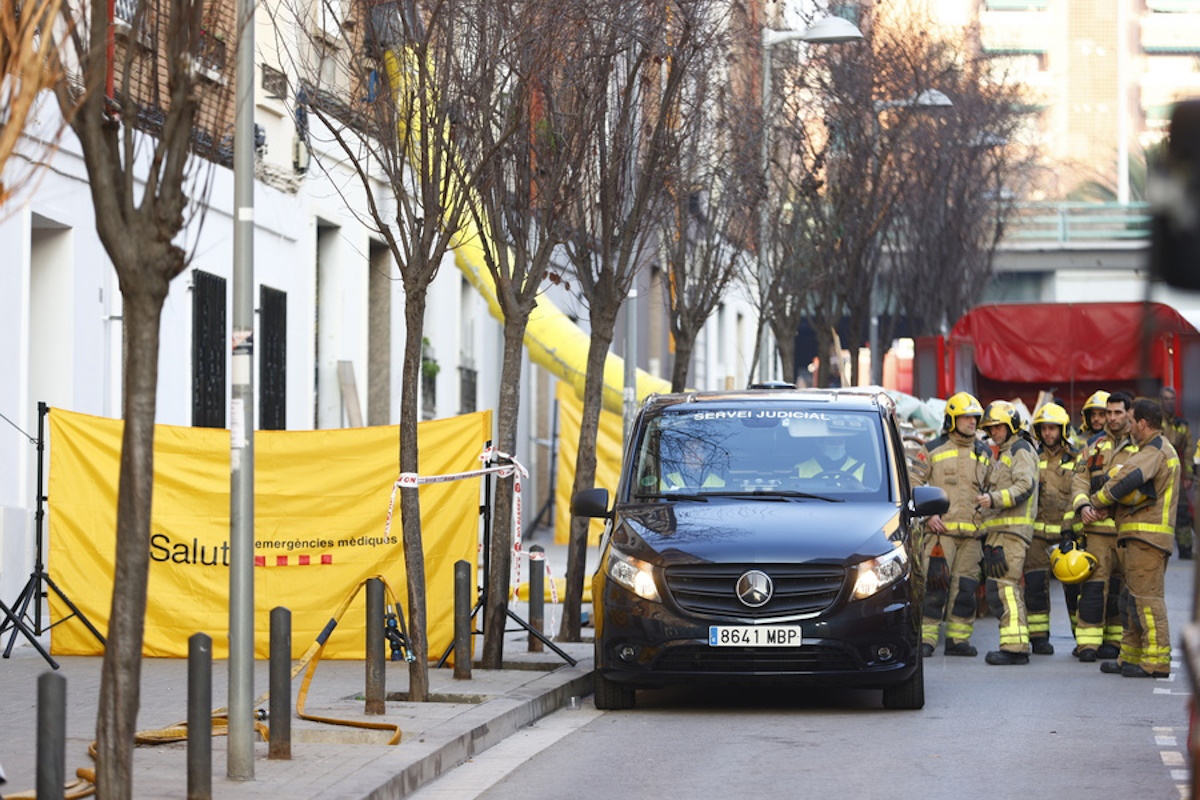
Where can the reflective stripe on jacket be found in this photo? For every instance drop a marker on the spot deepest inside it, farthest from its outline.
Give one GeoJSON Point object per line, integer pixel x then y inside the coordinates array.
{"type": "Point", "coordinates": [1013, 489]}
{"type": "Point", "coordinates": [1143, 493]}
{"type": "Point", "coordinates": [959, 465]}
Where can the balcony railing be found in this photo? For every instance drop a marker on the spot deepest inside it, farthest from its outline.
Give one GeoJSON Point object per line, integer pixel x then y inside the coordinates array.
{"type": "Point", "coordinates": [1077, 222]}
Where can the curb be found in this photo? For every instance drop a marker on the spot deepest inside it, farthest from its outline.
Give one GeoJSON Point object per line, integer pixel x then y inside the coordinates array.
{"type": "Point", "coordinates": [452, 743]}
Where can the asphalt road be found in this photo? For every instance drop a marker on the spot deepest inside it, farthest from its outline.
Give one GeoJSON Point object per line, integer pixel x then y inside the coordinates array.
{"type": "Point", "coordinates": [1056, 729]}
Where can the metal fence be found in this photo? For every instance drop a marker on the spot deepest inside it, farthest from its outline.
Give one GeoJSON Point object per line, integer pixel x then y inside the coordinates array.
{"type": "Point", "coordinates": [1077, 222]}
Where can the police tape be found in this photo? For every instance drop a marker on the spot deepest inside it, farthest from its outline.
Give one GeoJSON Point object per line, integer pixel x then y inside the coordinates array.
{"type": "Point", "coordinates": [513, 467]}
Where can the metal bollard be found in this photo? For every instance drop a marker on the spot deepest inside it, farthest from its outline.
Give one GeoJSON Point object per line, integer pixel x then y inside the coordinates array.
{"type": "Point", "coordinates": [462, 620]}
{"type": "Point", "coordinates": [280, 669]}
{"type": "Point", "coordinates": [199, 717]}
{"type": "Point", "coordinates": [51, 736]}
{"type": "Point", "coordinates": [537, 596]}
{"type": "Point", "coordinates": [376, 678]}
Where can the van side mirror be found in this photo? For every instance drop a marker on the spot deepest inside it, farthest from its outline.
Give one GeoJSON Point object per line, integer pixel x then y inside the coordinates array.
{"type": "Point", "coordinates": [590, 503]}
{"type": "Point", "coordinates": [1173, 189]}
{"type": "Point", "coordinates": [928, 500]}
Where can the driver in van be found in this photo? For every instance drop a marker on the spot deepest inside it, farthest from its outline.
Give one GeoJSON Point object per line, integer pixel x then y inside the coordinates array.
{"type": "Point", "coordinates": [831, 458]}
{"type": "Point", "coordinates": [687, 465]}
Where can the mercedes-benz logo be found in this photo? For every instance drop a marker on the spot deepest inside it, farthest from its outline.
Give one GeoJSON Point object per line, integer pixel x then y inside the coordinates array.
{"type": "Point", "coordinates": [754, 588]}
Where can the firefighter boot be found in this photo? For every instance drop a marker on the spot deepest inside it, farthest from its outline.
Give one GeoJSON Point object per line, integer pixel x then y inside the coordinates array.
{"type": "Point", "coordinates": [960, 649]}
{"type": "Point", "coordinates": [1042, 646]}
{"type": "Point", "coordinates": [1003, 658]}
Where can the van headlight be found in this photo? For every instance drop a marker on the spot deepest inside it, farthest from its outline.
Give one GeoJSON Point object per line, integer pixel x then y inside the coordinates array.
{"type": "Point", "coordinates": [634, 574]}
{"type": "Point", "coordinates": [877, 573]}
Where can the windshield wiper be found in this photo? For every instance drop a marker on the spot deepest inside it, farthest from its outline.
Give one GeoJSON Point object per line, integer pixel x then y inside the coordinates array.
{"type": "Point", "coordinates": [703, 498]}
{"type": "Point", "coordinates": [779, 494]}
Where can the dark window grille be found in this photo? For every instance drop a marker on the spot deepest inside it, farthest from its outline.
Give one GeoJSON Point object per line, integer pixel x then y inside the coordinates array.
{"type": "Point", "coordinates": [468, 381]}
{"type": "Point", "coordinates": [208, 350]}
{"type": "Point", "coordinates": [274, 82]}
{"type": "Point", "coordinates": [272, 359]}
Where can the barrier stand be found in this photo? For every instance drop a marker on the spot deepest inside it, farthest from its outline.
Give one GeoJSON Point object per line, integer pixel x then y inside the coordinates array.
{"type": "Point", "coordinates": [504, 465]}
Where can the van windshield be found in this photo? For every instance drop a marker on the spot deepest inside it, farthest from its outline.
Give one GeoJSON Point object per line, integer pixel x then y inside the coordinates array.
{"type": "Point", "coordinates": [764, 449]}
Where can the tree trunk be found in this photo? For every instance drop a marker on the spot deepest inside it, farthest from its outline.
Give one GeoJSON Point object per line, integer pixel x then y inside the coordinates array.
{"type": "Point", "coordinates": [410, 501]}
{"type": "Point", "coordinates": [824, 371]}
{"type": "Point", "coordinates": [500, 562]}
{"type": "Point", "coordinates": [121, 674]}
{"type": "Point", "coordinates": [787, 354]}
{"type": "Point", "coordinates": [684, 343]}
{"type": "Point", "coordinates": [585, 474]}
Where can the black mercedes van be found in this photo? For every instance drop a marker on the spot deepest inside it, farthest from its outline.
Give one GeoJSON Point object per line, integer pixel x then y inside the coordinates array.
{"type": "Point", "coordinates": [761, 535]}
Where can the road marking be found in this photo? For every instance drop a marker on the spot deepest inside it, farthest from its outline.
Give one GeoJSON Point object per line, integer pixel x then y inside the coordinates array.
{"type": "Point", "coordinates": [1166, 737]}
{"type": "Point", "coordinates": [486, 769]}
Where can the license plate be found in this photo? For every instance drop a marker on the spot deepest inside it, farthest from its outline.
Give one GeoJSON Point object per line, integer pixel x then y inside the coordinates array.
{"type": "Point", "coordinates": [754, 636]}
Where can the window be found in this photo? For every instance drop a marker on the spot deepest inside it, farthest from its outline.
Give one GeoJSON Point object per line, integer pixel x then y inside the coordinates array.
{"type": "Point", "coordinates": [208, 350]}
{"type": "Point", "coordinates": [272, 359]}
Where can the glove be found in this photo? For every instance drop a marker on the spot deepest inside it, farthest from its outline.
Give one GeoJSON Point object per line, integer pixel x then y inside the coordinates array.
{"type": "Point", "coordinates": [993, 563]}
{"type": "Point", "coordinates": [938, 576]}
{"type": "Point", "coordinates": [1066, 542]}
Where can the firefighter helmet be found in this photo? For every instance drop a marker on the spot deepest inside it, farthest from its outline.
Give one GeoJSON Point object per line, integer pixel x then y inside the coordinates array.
{"type": "Point", "coordinates": [961, 404]}
{"type": "Point", "coordinates": [1002, 412]}
{"type": "Point", "coordinates": [1050, 414]}
{"type": "Point", "coordinates": [1073, 566]}
{"type": "Point", "coordinates": [1097, 402]}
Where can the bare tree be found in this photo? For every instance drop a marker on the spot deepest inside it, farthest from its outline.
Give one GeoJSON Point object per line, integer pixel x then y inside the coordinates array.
{"type": "Point", "coordinates": [644, 50]}
{"type": "Point", "coordinates": [548, 95]}
{"type": "Point", "coordinates": [140, 104]}
{"type": "Point", "coordinates": [963, 171]}
{"type": "Point", "coordinates": [28, 67]}
{"type": "Point", "coordinates": [708, 221]}
{"type": "Point", "coordinates": [400, 102]}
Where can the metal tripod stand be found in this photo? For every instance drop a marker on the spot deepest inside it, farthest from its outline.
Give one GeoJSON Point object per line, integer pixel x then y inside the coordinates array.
{"type": "Point", "coordinates": [485, 511]}
{"type": "Point", "coordinates": [33, 592]}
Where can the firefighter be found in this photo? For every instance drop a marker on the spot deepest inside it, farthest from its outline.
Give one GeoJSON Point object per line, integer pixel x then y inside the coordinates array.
{"type": "Point", "coordinates": [1093, 418]}
{"type": "Point", "coordinates": [1142, 494]}
{"type": "Point", "coordinates": [1009, 505]}
{"type": "Point", "coordinates": [1098, 627]}
{"type": "Point", "coordinates": [1178, 433]}
{"type": "Point", "coordinates": [1056, 468]}
{"type": "Point", "coordinates": [959, 463]}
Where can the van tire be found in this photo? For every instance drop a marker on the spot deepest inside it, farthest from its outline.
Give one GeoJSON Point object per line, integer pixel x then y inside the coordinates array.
{"type": "Point", "coordinates": [910, 694]}
{"type": "Point", "coordinates": [611, 696]}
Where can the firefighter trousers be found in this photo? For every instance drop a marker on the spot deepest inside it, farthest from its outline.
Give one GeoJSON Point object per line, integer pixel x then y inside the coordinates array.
{"type": "Point", "coordinates": [956, 604]}
{"type": "Point", "coordinates": [1037, 587]}
{"type": "Point", "coordinates": [1147, 640]}
{"type": "Point", "coordinates": [1098, 620]}
{"type": "Point", "coordinates": [1004, 596]}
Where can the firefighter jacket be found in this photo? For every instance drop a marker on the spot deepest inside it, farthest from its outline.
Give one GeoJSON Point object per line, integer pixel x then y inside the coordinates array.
{"type": "Point", "coordinates": [1091, 471]}
{"type": "Point", "coordinates": [1143, 492]}
{"type": "Point", "coordinates": [1013, 488]}
{"type": "Point", "coordinates": [1056, 472]}
{"type": "Point", "coordinates": [960, 466]}
{"type": "Point", "coordinates": [1178, 433]}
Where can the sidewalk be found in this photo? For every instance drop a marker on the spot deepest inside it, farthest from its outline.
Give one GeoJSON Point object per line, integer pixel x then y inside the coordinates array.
{"type": "Point", "coordinates": [463, 718]}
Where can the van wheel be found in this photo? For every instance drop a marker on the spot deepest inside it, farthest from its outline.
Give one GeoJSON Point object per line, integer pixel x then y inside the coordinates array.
{"type": "Point", "coordinates": [909, 695]}
{"type": "Point", "coordinates": [610, 696]}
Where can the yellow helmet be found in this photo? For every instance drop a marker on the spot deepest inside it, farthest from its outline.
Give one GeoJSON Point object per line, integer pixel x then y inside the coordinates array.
{"type": "Point", "coordinates": [961, 404]}
{"type": "Point", "coordinates": [1098, 401]}
{"type": "Point", "coordinates": [1073, 566]}
{"type": "Point", "coordinates": [1002, 412]}
{"type": "Point", "coordinates": [1050, 414]}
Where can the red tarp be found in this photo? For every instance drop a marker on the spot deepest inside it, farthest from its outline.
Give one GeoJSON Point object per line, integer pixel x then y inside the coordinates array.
{"type": "Point", "coordinates": [1046, 343]}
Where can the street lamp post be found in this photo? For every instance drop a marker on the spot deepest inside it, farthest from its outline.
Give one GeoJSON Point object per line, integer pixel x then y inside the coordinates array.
{"type": "Point", "coordinates": [926, 99]}
{"type": "Point", "coordinates": [827, 30]}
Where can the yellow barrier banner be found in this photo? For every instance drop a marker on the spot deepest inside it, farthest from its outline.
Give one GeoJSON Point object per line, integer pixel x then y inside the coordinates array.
{"type": "Point", "coordinates": [320, 509]}
{"type": "Point", "coordinates": [608, 460]}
